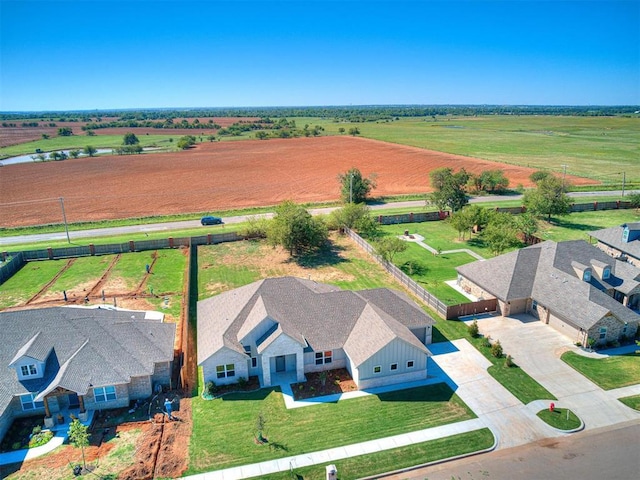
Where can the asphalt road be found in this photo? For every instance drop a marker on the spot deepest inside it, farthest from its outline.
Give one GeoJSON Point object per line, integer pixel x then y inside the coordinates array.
{"type": "Point", "coordinates": [169, 226]}
{"type": "Point", "coordinates": [608, 453]}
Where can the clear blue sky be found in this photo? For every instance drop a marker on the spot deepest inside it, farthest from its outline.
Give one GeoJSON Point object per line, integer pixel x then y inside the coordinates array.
{"type": "Point", "coordinates": [92, 54]}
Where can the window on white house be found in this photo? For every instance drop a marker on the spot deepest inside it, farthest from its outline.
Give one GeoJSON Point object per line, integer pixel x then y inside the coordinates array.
{"type": "Point", "coordinates": [410, 364]}
{"type": "Point", "coordinates": [394, 366]}
{"type": "Point", "coordinates": [534, 305]}
{"type": "Point", "coordinates": [105, 394]}
{"type": "Point", "coordinates": [28, 370]}
{"type": "Point", "coordinates": [603, 333]}
{"type": "Point", "coordinates": [254, 362]}
{"type": "Point", "coordinates": [226, 371]}
{"type": "Point", "coordinates": [377, 369]}
{"type": "Point", "coordinates": [606, 273]}
{"type": "Point", "coordinates": [586, 276]}
{"type": "Point", "coordinates": [324, 357]}
{"type": "Point", "coordinates": [28, 402]}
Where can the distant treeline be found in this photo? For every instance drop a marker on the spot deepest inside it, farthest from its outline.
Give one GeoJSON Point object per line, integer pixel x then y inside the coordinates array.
{"type": "Point", "coordinates": [365, 113]}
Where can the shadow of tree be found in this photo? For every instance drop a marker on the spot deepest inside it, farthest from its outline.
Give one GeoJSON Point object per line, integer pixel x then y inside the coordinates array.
{"type": "Point", "coordinates": [330, 254]}
{"type": "Point", "coordinates": [278, 446]}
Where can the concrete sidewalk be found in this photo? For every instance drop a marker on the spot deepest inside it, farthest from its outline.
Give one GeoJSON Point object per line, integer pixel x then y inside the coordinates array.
{"type": "Point", "coordinates": [326, 457]}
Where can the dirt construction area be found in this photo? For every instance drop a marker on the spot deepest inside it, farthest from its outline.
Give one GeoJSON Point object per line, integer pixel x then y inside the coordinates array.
{"type": "Point", "coordinates": [219, 176]}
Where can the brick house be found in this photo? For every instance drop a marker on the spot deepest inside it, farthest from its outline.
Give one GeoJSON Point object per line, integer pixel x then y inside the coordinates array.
{"type": "Point", "coordinates": [66, 359]}
{"type": "Point", "coordinates": [572, 286]}
{"type": "Point", "coordinates": [621, 242]}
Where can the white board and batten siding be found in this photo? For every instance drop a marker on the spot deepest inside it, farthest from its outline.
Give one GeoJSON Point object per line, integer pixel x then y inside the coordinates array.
{"type": "Point", "coordinates": [395, 352]}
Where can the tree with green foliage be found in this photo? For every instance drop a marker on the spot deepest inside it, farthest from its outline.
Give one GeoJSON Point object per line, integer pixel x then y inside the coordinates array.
{"type": "Point", "coordinates": [354, 188]}
{"type": "Point", "coordinates": [468, 217]}
{"type": "Point", "coordinates": [186, 142]}
{"type": "Point", "coordinates": [527, 225]}
{"type": "Point", "coordinates": [548, 198]}
{"type": "Point", "coordinates": [296, 230]}
{"type": "Point", "coordinates": [79, 437]}
{"type": "Point", "coordinates": [634, 199]}
{"type": "Point", "coordinates": [45, 136]}
{"type": "Point", "coordinates": [65, 131]}
{"type": "Point", "coordinates": [493, 181]}
{"type": "Point", "coordinates": [388, 247]}
{"type": "Point", "coordinates": [91, 133]}
{"type": "Point", "coordinates": [130, 139]}
{"type": "Point", "coordinates": [448, 188]}
{"type": "Point", "coordinates": [89, 150]}
{"type": "Point", "coordinates": [500, 233]}
{"type": "Point", "coordinates": [74, 153]}
{"type": "Point", "coordinates": [356, 216]}
{"type": "Point", "coordinates": [353, 131]}
{"type": "Point", "coordinates": [535, 177]}
{"type": "Point", "coordinates": [261, 135]}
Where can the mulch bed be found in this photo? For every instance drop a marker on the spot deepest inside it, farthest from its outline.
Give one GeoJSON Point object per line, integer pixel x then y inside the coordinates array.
{"type": "Point", "coordinates": [252, 384]}
{"type": "Point", "coordinates": [336, 381]}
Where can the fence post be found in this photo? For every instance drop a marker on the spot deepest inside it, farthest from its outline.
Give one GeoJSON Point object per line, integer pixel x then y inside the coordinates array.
{"type": "Point", "coordinates": [92, 249]}
{"type": "Point", "coordinates": [132, 246]}
{"type": "Point", "coordinates": [50, 253]}
{"type": "Point", "coordinates": [170, 242]}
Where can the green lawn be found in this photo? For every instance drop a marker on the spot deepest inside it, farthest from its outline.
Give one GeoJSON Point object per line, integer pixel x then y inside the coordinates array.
{"type": "Point", "coordinates": [28, 281]}
{"type": "Point", "coordinates": [83, 273]}
{"type": "Point", "coordinates": [559, 418]}
{"type": "Point", "coordinates": [416, 454]}
{"type": "Point", "coordinates": [608, 373]}
{"type": "Point", "coordinates": [130, 269]}
{"type": "Point", "coordinates": [224, 429]}
{"type": "Point", "coordinates": [632, 401]}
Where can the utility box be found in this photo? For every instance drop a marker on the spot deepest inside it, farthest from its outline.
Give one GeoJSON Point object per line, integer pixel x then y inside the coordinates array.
{"type": "Point", "coordinates": [332, 472]}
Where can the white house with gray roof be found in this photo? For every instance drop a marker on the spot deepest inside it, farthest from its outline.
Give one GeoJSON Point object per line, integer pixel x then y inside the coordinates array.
{"type": "Point", "coordinates": [621, 242]}
{"type": "Point", "coordinates": [291, 325]}
{"type": "Point", "coordinates": [79, 359]}
{"type": "Point", "coordinates": [572, 286]}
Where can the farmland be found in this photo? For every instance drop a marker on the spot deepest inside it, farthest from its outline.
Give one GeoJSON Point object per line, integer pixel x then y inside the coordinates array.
{"type": "Point", "coordinates": [221, 175]}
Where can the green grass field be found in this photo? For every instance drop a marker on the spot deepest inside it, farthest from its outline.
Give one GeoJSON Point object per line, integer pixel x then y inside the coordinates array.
{"type": "Point", "coordinates": [28, 281]}
{"type": "Point", "coordinates": [224, 429]}
{"type": "Point", "coordinates": [608, 373]}
{"type": "Point", "coordinates": [594, 147]}
{"type": "Point", "coordinates": [81, 141]}
{"type": "Point", "coordinates": [632, 401]}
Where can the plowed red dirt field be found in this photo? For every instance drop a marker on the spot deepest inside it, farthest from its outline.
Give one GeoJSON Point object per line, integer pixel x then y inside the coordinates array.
{"type": "Point", "coordinates": [217, 176]}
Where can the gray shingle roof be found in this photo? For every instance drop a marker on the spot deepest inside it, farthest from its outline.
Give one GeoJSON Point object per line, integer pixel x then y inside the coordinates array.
{"type": "Point", "coordinates": [547, 273]}
{"type": "Point", "coordinates": [86, 347]}
{"type": "Point", "coordinates": [320, 315]}
{"type": "Point", "coordinates": [613, 237]}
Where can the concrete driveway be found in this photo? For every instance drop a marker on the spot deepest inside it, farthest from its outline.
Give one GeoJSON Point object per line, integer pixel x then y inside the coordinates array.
{"type": "Point", "coordinates": [537, 348]}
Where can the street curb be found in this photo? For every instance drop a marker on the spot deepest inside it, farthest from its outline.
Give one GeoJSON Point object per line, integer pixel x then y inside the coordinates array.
{"type": "Point", "coordinates": [437, 462]}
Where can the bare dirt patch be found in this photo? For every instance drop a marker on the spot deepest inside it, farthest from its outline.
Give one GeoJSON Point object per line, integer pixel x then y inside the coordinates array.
{"type": "Point", "coordinates": [220, 175]}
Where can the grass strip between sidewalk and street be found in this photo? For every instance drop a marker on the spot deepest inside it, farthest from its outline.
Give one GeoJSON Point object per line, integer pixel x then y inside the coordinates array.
{"type": "Point", "coordinates": [397, 458]}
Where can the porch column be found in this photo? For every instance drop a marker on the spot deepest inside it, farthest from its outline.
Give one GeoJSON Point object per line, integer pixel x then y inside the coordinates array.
{"type": "Point", "coordinates": [300, 366]}
{"type": "Point", "coordinates": [81, 401]}
{"type": "Point", "coordinates": [47, 412]}
{"type": "Point", "coordinates": [625, 300]}
{"type": "Point", "coordinates": [266, 371]}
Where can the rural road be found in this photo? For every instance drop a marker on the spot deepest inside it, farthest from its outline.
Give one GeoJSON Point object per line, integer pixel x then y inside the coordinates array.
{"type": "Point", "coordinates": [158, 227]}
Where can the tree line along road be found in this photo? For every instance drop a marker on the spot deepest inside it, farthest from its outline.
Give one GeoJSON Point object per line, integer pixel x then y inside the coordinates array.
{"type": "Point", "coordinates": [170, 226]}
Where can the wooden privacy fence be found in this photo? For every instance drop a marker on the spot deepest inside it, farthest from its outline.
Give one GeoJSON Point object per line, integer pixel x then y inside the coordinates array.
{"type": "Point", "coordinates": [471, 308]}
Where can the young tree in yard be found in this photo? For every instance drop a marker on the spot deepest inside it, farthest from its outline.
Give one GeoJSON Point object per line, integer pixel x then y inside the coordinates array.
{"type": "Point", "coordinates": [501, 233]}
{"type": "Point", "coordinates": [448, 188]}
{"type": "Point", "coordinates": [296, 230]}
{"type": "Point", "coordinates": [130, 139]}
{"type": "Point", "coordinates": [356, 216]}
{"type": "Point", "coordinates": [548, 198]}
{"type": "Point", "coordinates": [354, 188]}
{"type": "Point", "coordinates": [468, 217]}
{"type": "Point", "coordinates": [388, 247]}
{"type": "Point", "coordinates": [89, 150]}
{"type": "Point", "coordinates": [527, 225]}
{"type": "Point", "coordinates": [79, 437]}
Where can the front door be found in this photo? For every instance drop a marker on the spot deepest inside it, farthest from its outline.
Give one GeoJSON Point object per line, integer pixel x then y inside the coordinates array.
{"type": "Point", "coordinates": [280, 364]}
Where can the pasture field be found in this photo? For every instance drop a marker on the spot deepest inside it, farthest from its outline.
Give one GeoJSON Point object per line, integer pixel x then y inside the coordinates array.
{"type": "Point", "coordinates": [595, 147]}
{"type": "Point", "coordinates": [220, 176]}
{"type": "Point", "coordinates": [122, 278]}
{"type": "Point", "coordinates": [79, 142]}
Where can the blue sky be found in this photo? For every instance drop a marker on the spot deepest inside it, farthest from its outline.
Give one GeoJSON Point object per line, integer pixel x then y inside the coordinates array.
{"type": "Point", "coordinates": [92, 54]}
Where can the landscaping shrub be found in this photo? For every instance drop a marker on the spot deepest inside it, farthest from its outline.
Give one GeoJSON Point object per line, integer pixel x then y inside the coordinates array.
{"type": "Point", "coordinates": [473, 329]}
{"type": "Point", "coordinates": [210, 388]}
{"type": "Point", "coordinates": [242, 382]}
{"type": "Point", "coordinates": [496, 349]}
{"type": "Point", "coordinates": [508, 361]}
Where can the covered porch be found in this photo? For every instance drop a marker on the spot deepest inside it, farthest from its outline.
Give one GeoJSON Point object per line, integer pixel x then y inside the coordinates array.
{"type": "Point", "coordinates": [61, 407]}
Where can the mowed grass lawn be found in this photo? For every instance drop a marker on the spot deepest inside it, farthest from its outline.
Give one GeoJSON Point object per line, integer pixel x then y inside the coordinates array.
{"type": "Point", "coordinates": [608, 373]}
{"type": "Point", "coordinates": [224, 429]}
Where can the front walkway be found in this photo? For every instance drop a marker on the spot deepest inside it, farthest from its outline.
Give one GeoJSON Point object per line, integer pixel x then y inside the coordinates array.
{"type": "Point", "coordinates": [19, 456]}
